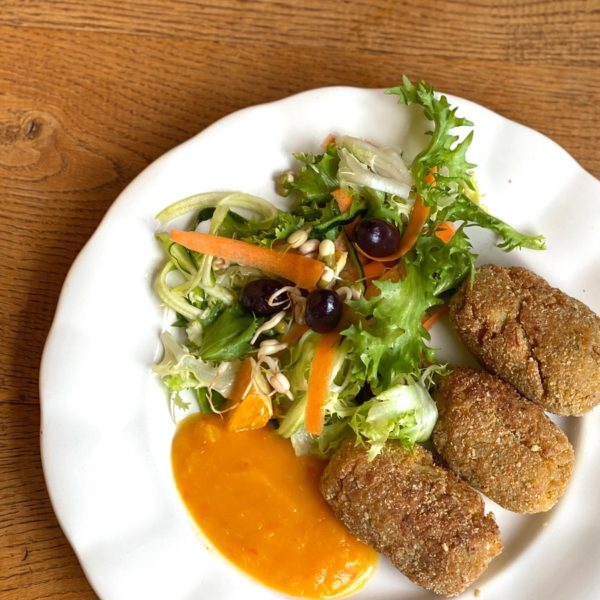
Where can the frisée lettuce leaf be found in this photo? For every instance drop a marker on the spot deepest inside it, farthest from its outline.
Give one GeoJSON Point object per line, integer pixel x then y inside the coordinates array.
{"type": "Point", "coordinates": [393, 343]}
{"type": "Point", "coordinates": [180, 369]}
{"type": "Point", "coordinates": [318, 176]}
{"type": "Point", "coordinates": [444, 158]}
{"type": "Point", "coordinates": [472, 214]}
{"type": "Point", "coordinates": [446, 153]}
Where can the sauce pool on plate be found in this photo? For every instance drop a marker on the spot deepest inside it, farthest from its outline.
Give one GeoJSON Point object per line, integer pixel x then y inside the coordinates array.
{"type": "Point", "coordinates": [260, 506]}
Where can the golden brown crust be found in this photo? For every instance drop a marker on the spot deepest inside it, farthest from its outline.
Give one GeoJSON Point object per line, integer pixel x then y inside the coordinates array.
{"type": "Point", "coordinates": [500, 442]}
{"type": "Point", "coordinates": [543, 342]}
{"type": "Point", "coordinates": [427, 521]}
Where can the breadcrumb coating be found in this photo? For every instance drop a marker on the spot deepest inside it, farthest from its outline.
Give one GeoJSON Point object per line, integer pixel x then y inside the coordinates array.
{"type": "Point", "coordinates": [543, 342]}
{"type": "Point", "coordinates": [500, 442]}
{"type": "Point", "coordinates": [429, 523]}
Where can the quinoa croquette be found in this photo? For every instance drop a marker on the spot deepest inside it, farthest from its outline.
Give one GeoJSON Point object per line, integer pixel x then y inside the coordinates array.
{"type": "Point", "coordinates": [543, 342]}
{"type": "Point", "coordinates": [500, 442]}
{"type": "Point", "coordinates": [429, 523]}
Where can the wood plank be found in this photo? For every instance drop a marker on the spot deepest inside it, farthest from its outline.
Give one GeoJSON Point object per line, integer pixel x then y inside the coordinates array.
{"type": "Point", "coordinates": [148, 95]}
{"type": "Point", "coordinates": [561, 32]}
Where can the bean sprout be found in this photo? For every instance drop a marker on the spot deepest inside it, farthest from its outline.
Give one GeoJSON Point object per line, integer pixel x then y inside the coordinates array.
{"type": "Point", "coordinates": [272, 322]}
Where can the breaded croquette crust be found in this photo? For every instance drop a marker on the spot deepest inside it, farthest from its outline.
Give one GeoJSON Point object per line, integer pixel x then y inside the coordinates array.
{"type": "Point", "coordinates": [543, 342]}
{"type": "Point", "coordinates": [500, 442]}
{"type": "Point", "coordinates": [429, 523]}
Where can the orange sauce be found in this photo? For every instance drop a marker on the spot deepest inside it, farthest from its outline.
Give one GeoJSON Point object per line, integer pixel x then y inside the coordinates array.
{"type": "Point", "coordinates": [260, 506]}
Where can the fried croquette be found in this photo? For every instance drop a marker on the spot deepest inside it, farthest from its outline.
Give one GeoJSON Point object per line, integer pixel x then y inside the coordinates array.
{"type": "Point", "coordinates": [535, 337]}
{"type": "Point", "coordinates": [425, 519]}
{"type": "Point", "coordinates": [500, 442]}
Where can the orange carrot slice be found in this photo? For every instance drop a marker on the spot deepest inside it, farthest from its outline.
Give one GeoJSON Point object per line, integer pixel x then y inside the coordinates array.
{"type": "Point", "coordinates": [302, 270]}
{"type": "Point", "coordinates": [444, 231]}
{"type": "Point", "coordinates": [373, 270]}
{"type": "Point", "coordinates": [418, 217]}
{"type": "Point", "coordinates": [242, 382]}
{"type": "Point", "coordinates": [253, 412]}
{"type": "Point", "coordinates": [429, 178]}
{"type": "Point", "coordinates": [252, 409]}
{"type": "Point", "coordinates": [434, 315]}
{"type": "Point", "coordinates": [343, 199]}
{"type": "Point", "coordinates": [329, 139]}
{"type": "Point", "coordinates": [349, 229]}
{"type": "Point", "coordinates": [293, 334]}
{"type": "Point", "coordinates": [396, 273]}
{"type": "Point", "coordinates": [318, 382]}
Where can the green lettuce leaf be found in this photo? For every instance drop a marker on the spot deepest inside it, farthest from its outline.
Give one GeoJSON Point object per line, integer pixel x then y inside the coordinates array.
{"type": "Point", "coordinates": [311, 189]}
{"type": "Point", "coordinates": [404, 412]}
{"type": "Point", "coordinates": [318, 176]}
{"type": "Point", "coordinates": [228, 336]}
{"type": "Point", "coordinates": [181, 370]}
{"type": "Point", "coordinates": [394, 343]}
{"type": "Point", "coordinates": [387, 207]}
{"type": "Point", "coordinates": [260, 233]}
{"type": "Point", "coordinates": [207, 399]}
{"type": "Point", "coordinates": [444, 265]}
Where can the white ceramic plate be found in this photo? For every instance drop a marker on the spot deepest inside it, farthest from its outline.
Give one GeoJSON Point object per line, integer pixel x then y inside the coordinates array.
{"type": "Point", "coordinates": [106, 432]}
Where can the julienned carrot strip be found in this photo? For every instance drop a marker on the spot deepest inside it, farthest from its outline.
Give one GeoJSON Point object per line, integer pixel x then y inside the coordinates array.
{"type": "Point", "coordinates": [418, 217]}
{"type": "Point", "coordinates": [318, 382]}
{"type": "Point", "coordinates": [429, 320]}
{"type": "Point", "coordinates": [373, 270]}
{"type": "Point", "coordinates": [242, 381]}
{"type": "Point", "coordinates": [343, 199]}
{"type": "Point", "coordinates": [329, 139]}
{"type": "Point", "coordinates": [444, 231]}
{"type": "Point", "coordinates": [302, 270]}
{"type": "Point", "coordinates": [293, 334]}
{"type": "Point", "coordinates": [349, 229]}
{"type": "Point", "coordinates": [429, 179]}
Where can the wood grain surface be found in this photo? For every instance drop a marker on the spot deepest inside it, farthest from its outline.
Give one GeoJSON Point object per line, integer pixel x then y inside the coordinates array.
{"type": "Point", "coordinates": [92, 92]}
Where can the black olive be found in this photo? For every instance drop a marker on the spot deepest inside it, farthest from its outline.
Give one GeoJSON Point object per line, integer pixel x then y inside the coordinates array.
{"type": "Point", "coordinates": [365, 393]}
{"type": "Point", "coordinates": [377, 237]}
{"type": "Point", "coordinates": [323, 310]}
{"type": "Point", "coordinates": [255, 296]}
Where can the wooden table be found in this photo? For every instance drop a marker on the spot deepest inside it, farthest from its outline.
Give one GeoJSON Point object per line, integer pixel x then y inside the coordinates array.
{"type": "Point", "coordinates": [92, 92]}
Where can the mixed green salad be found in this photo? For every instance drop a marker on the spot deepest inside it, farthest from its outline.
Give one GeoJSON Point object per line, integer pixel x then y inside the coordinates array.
{"type": "Point", "coordinates": [315, 319]}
